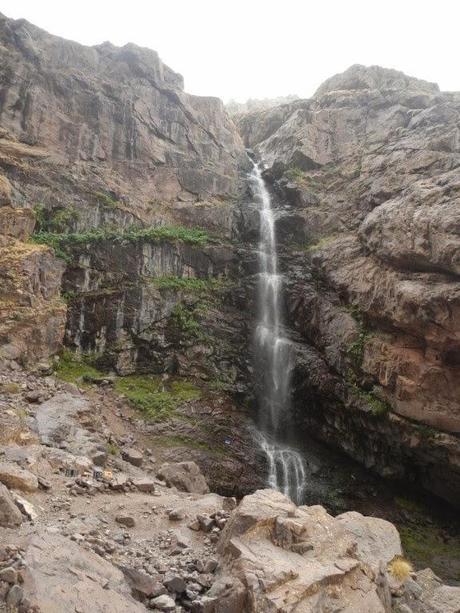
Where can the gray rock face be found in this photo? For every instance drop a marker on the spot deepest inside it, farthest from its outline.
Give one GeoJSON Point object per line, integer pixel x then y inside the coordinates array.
{"type": "Point", "coordinates": [120, 121]}
{"type": "Point", "coordinates": [367, 170]}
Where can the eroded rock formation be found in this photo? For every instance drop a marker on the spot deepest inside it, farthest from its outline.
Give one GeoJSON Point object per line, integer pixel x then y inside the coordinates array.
{"type": "Point", "coordinates": [369, 215]}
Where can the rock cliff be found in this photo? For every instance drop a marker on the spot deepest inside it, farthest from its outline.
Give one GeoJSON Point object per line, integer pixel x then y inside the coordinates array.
{"type": "Point", "coordinates": [127, 234]}
{"type": "Point", "coordinates": [366, 173]}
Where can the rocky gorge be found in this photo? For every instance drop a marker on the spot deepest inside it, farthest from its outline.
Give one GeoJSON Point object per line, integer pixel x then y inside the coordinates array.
{"type": "Point", "coordinates": [128, 275]}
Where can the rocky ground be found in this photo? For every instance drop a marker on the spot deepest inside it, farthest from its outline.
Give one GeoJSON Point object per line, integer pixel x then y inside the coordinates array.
{"type": "Point", "coordinates": [88, 527]}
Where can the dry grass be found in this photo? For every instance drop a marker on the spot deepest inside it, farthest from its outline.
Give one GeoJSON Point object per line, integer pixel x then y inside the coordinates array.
{"type": "Point", "coordinates": [400, 568]}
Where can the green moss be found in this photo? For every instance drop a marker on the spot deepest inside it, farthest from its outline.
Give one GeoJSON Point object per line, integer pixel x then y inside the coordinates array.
{"type": "Point", "coordinates": [106, 200]}
{"type": "Point", "coordinates": [409, 505]}
{"type": "Point", "coordinates": [184, 320]}
{"type": "Point", "coordinates": [427, 547]}
{"type": "Point", "coordinates": [323, 242]}
{"type": "Point", "coordinates": [190, 443]}
{"type": "Point", "coordinates": [377, 406]}
{"type": "Point", "coordinates": [295, 174]}
{"type": "Point", "coordinates": [157, 400]}
{"type": "Point", "coordinates": [73, 369]}
{"type": "Point", "coordinates": [56, 220]}
{"type": "Point", "coordinates": [64, 243]}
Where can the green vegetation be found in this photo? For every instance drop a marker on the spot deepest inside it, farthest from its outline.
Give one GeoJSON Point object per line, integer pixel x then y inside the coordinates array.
{"type": "Point", "coordinates": [63, 243]}
{"type": "Point", "coordinates": [113, 449]}
{"type": "Point", "coordinates": [156, 399]}
{"type": "Point", "coordinates": [75, 369]}
{"type": "Point", "coordinates": [425, 544]}
{"type": "Point", "coordinates": [295, 174]}
{"type": "Point", "coordinates": [356, 350]}
{"type": "Point", "coordinates": [323, 242]}
{"type": "Point", "coordinates": [107, 200]}
{"type": "Point", "coordinates": [186, 441]}
{"type": "Point", "coordinates": [184, 320]}
{"type": "Point", "coordinates": [377, 406]}
{"type": "Point", "coordinates": [57, 220]}
{"type": "Point", "coordinates": [9, 388]}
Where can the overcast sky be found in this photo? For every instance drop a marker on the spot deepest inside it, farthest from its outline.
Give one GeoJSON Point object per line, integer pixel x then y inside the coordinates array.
{"type": "Point", "coordinates": [261, 48]}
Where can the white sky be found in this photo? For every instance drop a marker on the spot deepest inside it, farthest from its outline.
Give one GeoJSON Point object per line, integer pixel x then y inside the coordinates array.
{"type": "Point", "coordinates": [263, 48]}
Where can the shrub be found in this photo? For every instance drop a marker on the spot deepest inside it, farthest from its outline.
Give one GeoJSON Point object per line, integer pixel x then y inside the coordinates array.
{"type": "Point", "coordinates": [400, 568]}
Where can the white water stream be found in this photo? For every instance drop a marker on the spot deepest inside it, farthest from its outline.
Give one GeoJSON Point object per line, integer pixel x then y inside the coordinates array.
{"type": "Point", "coordinates": [274, 356]}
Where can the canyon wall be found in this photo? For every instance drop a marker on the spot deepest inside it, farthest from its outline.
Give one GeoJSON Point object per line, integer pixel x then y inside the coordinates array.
{"type": "Point", "coordinates": [141, 190]}
{"type": "Point", "coordinates": [367, 177]}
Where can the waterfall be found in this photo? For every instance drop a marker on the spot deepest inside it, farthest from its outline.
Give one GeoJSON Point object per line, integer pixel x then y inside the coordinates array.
{"type": "Point", "coordinates": [273, 356]}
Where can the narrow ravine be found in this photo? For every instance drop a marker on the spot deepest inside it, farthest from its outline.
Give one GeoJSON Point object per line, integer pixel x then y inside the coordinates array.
{"type": "Point", "coordinates": [273, 356]}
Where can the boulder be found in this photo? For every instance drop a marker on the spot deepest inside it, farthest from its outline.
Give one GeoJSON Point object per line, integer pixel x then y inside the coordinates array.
{"type": "Point", "coordinates": [62, 576]}
{"type": "Point", "coordinates": [133, 456]}
{"type": "Point", "coordinates": [17, 478]}
{"type": "Point", "coordinates": [10, 516]}
{"type": "Point", "coordinates": [144, 484]}
{"type": "Point", "coordinates": [142, 584]}
{"type": "Point", "coordinates": [186, 476]}
{"type": "Point", "coordinates": [304, 556]}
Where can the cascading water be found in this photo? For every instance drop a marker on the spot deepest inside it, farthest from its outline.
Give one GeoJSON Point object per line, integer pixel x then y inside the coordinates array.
{"type": "Point", "coordinates": [274, 356]}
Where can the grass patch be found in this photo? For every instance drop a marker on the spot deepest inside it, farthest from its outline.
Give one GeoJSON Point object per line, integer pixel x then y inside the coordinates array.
{"type": "Point", "coordinates": [107, 200]}
{"type": "Point", "coordinates": [113, 449]}
{"type": "Point", "coordinates": [157, 400]}
{"type": "Point", "coordinates": [76, 370]}
{"type": "Point", "coordinates": [323, 242]}
{"type": "Point", "coordinates": [64, 243]}
{"type": "Point", "coordinates": [425, 545]}
{"type": "Point", "coordinates": [294, 174]}
{"type": "Point", "coordinates": [189, 442]}
{"type": "Point", "coordinates": [10, 388]}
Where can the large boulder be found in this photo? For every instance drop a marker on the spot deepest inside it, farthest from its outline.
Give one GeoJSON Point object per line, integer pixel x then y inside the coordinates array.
{"type": "Point", "coordinates": [301, 558]}
{"type": "Point", "coordinates": [186, 476]}
{"type": "Point", "coordinates": [17, 478]}
{"type": "Point", "coordinates": [62, 576]}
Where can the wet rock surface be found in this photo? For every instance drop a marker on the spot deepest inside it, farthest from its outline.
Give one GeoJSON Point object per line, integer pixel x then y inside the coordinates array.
{"type": "Point", "coordinates": [369, 169]}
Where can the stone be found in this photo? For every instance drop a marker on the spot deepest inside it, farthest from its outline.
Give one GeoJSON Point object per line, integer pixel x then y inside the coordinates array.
{"type": "Point", "coordinates": [144, 484]}
{"type": "Point", "coordinates": [119, 481]}
{"type": "Point", "coordinates": [266, 526]}
{"type": "Point", "coordinates": [17, 478]}
{"type": "Point", "coordinates": [176, 515]}
{"type": "Point", "coordinates": [26, 508]}
{"type": "Point", "coordinates": [133, 456]}
{"type": "Point", "coordinates": [9, 575]}
{"type": "Point", "coordinates": [62, 576]}
{"type": "Point", "coordinates": [14, 596]}
{"type": "Point", "coordinates": [174, 583]}
{"type": "Point", "coordinates": [163, 603]}
{"type": "Point", "coordinates": [142, 584]}
{"type": "Point", "coordinates": [186, 476]}
{"type": "Point", "coordinates": [125, 520]}
{"type": "Point", "coordinates": [206, 522]}
{"type": "Point", "coordinates": [10, 515]}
